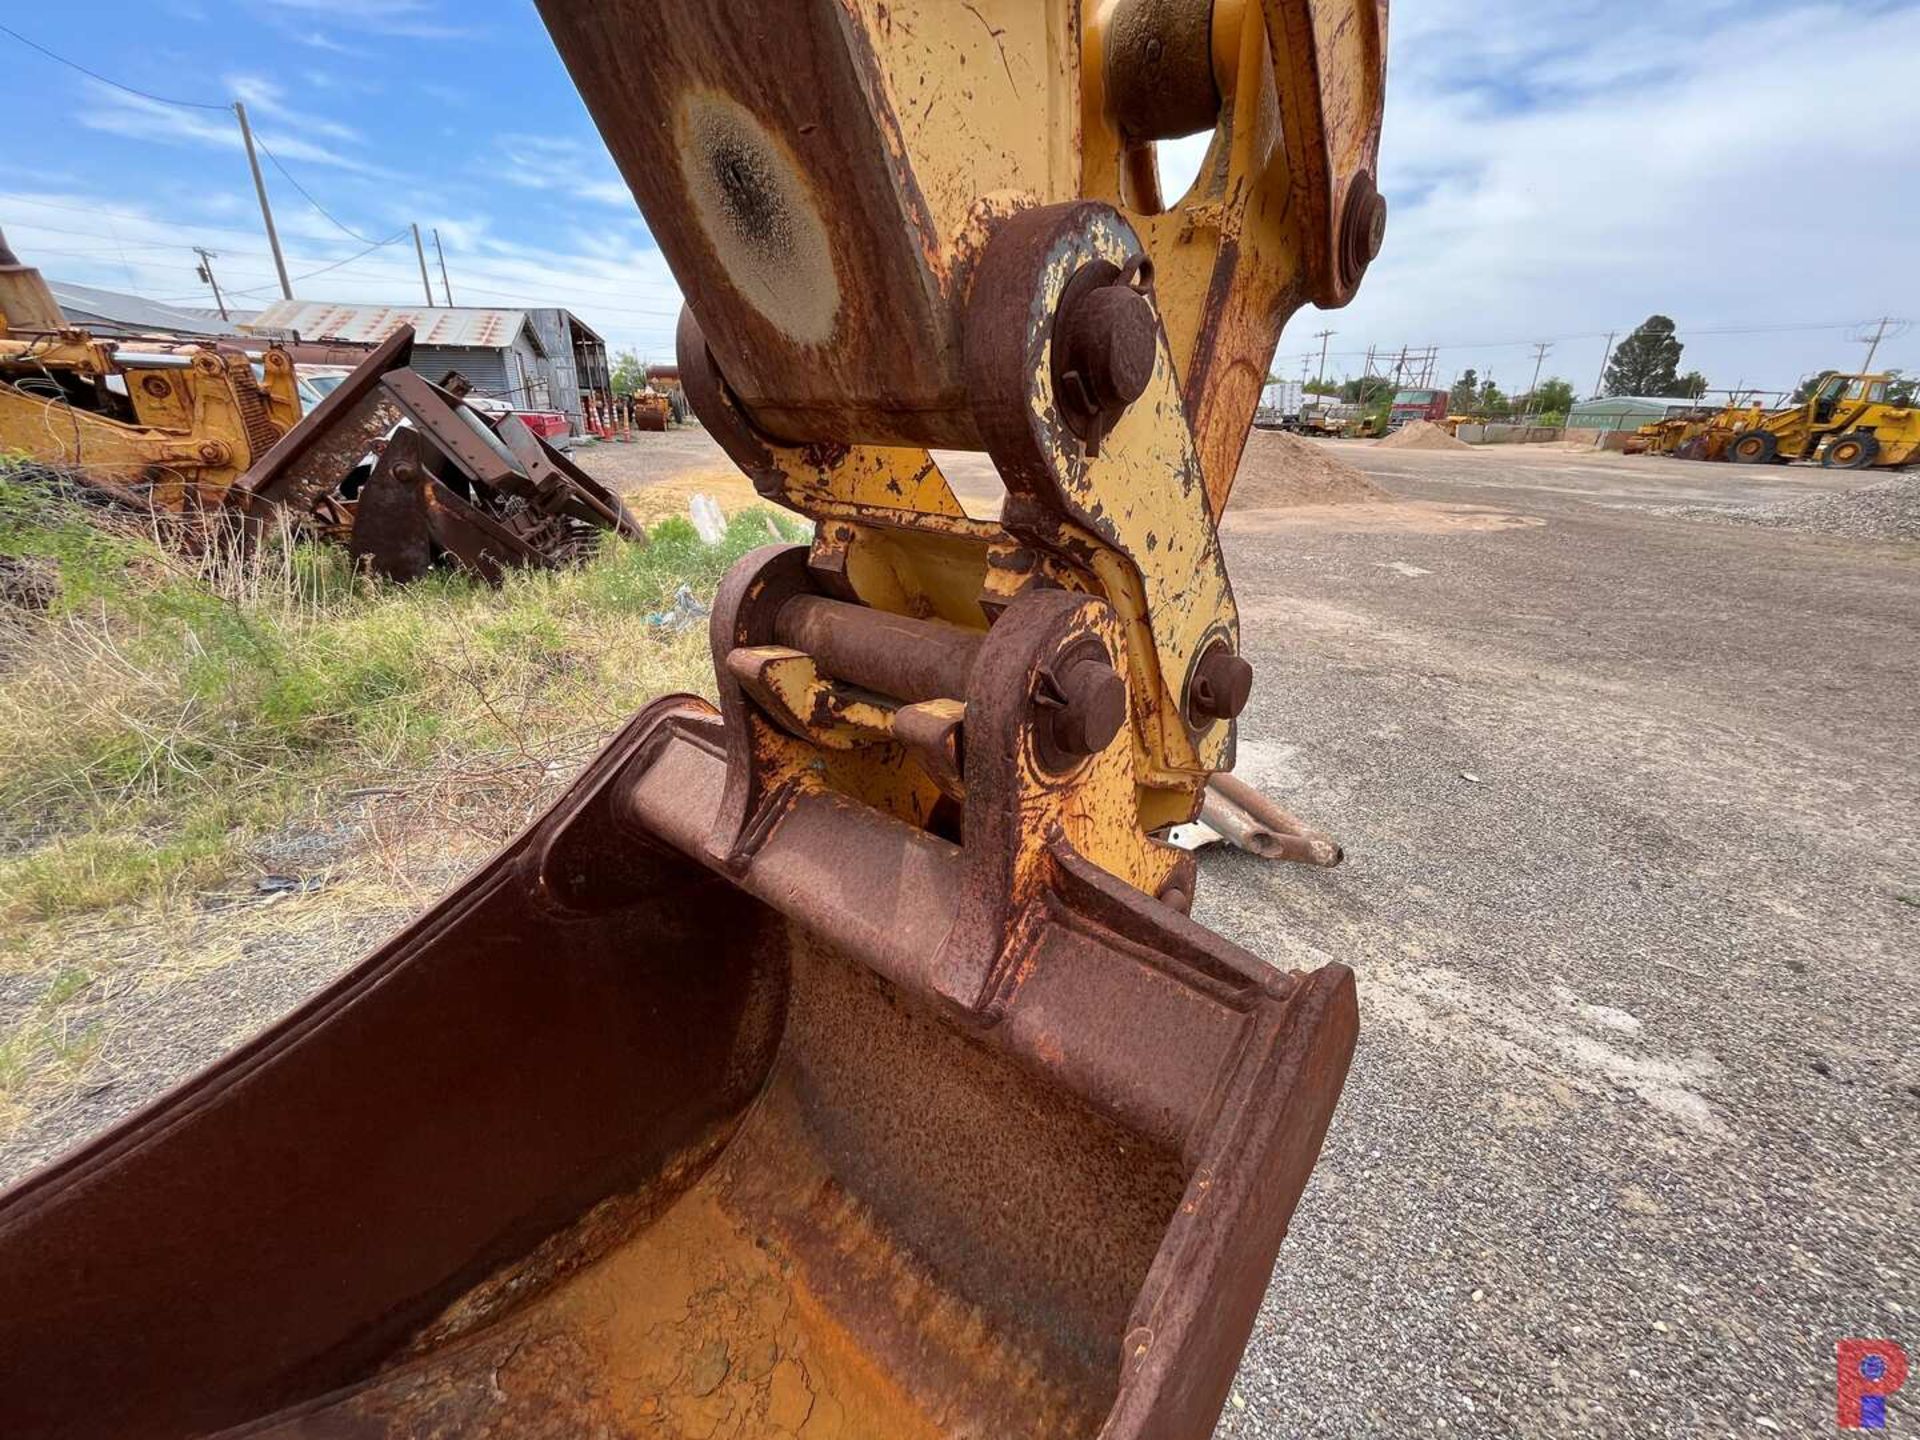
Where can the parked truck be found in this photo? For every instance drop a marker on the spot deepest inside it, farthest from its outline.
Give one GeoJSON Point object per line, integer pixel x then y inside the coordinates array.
{"type": "Point", "coordinates": [1411, 405]}
{"type": "Point", "coordinates": [1280, 405]}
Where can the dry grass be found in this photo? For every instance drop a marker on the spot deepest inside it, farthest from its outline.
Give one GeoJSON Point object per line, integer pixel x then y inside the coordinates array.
{"type": "Point", "coordinates": [173, 731]}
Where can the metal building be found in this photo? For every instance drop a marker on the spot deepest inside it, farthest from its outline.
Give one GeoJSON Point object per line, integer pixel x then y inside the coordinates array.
{"type": "Point", "coordinates": [540, 359]}
{"type": "Point", "coordinates": [578, 357]}
{"type": "Point", "coordinates": [1626, 412]}
{"type": "Point", "coordinates": [110, 313]}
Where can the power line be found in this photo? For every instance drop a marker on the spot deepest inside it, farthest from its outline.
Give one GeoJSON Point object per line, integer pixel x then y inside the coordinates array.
{"type": "Point", "coordinates": [1540, 349]}
{"type": "Point", "coordinates": [445, 284]}
{"type": "Point", "coordinates": [1689, 330]}
{"type": "Point", "coordinates": [376, 245]}
{"type": "Point", "coordinates": [207, 257]}
{"type": "Point", "coordinates": [193, 225]}
{"type": "Point", "coordinates": [96, 75]}
{"type": "Point", "coordinates": [287, 175]}
{"type": "Point", "coordinates": [246, 134]}
{"type": "Point", "coordinates": [198, 228]}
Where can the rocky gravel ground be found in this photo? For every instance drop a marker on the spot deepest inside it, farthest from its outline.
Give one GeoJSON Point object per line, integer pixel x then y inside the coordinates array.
{"type": "Point", "coordinates": [1633, 895]}
{"type": "Point", "coordinates": [1888, 510]}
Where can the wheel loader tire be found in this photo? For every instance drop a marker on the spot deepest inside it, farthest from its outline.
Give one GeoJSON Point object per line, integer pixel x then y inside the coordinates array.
{"type": "Point", "coordinates": [1856, 451]}
{"type": "Point", "coordinates": [1756, 447]}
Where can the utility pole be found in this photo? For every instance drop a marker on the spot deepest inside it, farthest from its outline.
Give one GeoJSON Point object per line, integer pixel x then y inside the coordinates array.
{"type": "Point", "coordinates": [1873, 345]}
{"type": "Point", "coordinates": [1323, 336]}
{"type": "Point", "coordinates": [421, 251]}
{"type": "Point", "coordinates": [1600, 380]}
{"type": "Point", "coordinates": [1540, 350]}
{"type": "Point", "coordinates": [207, 257]}
{"type": "Point", "coordinates": [266, 210]}
{"type": "Point", "coordinates": [445, 284]}
{"type": "Point", "coordinates": [1304, 359]}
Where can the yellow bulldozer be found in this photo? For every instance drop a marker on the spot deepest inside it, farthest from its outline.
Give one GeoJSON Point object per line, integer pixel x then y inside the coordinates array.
{"type": "Point", "coordinates": [840, 1061]}
{"type": "Point", "coordinates": [167, 425]}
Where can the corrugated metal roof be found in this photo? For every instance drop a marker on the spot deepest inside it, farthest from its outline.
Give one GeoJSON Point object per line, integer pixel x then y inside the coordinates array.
{"type": "Point", "coordinates": [1632, 402]}
{"type": "Point", "coordinates": [462, 326]}
{"type": "Point", "coordinates": [105, 310]}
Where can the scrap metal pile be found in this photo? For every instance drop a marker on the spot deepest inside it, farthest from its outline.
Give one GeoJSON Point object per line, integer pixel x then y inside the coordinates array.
{"type": "Point", "coordinates": [207, 439]}
{"type": "Point", "coordinates": [406, 474]}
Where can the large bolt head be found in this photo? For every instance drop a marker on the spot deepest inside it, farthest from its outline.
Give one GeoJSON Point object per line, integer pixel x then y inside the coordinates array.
{"type": "Point", "coordinates": [1222, 684]}
{"type": "Point", "coordinates": [1111, 339]}
{"type": "Point", "coordinates": [1094, 707]}
{"type": "Point", "coordinates": [1363, 228]}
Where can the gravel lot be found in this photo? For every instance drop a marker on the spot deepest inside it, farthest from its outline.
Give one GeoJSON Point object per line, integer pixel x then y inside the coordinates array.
{"type": "Point", "coordinates": [1633, 893]}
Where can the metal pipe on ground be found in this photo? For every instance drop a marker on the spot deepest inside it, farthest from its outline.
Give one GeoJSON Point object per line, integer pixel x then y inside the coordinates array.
{"type": "Point", "coordinates": [1249, 821]}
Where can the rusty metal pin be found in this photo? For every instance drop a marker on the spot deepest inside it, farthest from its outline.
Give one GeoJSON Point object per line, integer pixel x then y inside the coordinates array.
{"type": "Point", "coordinates": [1106, 342]}
{"type": "Point", "coordinates": [1363, 228]}
{"type": "Point", "coordinates": [1222, 684]}
{"type": "Point", "coordinates": [1110, 340]}
{"type": "Point", "coordinates": [1086, 701]}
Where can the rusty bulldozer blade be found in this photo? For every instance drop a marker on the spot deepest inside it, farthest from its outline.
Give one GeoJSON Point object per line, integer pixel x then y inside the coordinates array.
{"type": "Point", "coordinates": [447, 484]}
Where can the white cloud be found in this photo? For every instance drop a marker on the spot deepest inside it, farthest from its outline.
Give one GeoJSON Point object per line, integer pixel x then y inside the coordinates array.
{"type": "Point", "coordinates": [114, 112]}
{"type": "Point", "coordinates": [570, 167]}
{"type": "Point", "coordinates": [320, 40]}
{"type": "Point", "coordinates": [265, 98]}
{"type": "Point", "coordinates": [411, 19]}
{"type": "Point", "coordinates": [1568, 170]}
{"type": "Point", "coordinates": [1556, 171]}
{"type": "Point", "coordinates": [611, 277]}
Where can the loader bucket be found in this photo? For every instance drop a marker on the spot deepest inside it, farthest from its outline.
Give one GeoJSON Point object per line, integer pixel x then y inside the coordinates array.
{"type": "Point", "coordinates": [624, 1138]}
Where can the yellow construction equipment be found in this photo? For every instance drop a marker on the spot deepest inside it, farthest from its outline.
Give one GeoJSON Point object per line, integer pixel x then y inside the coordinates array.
{"type": "Point", "coordinates": [841, 1062]}
{"type": "Point", "coordinates": [168, 425]}
{"type": "Point", "coordinates": [1846, 422]}
{"type": "Point", "coordinates": [1697, 434]}
{"type": "Point", "coordinates": [651, 409]}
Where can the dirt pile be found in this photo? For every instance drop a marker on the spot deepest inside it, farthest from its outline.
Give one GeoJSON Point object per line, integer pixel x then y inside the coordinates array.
{"type": "Point", "coordinates": [1279, 470]}
{"type": "Point", "coordinates": [1421, 435]}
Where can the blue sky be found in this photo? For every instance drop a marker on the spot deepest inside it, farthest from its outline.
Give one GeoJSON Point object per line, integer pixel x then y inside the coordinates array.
{"type": "Point", "coordinates": [459, 117]}
{"type": "Point", "coordinates": [1558, 170]}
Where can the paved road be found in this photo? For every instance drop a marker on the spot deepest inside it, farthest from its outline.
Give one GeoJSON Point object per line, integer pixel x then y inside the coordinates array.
{"type": "Point", "coordinates": [1633, 813]}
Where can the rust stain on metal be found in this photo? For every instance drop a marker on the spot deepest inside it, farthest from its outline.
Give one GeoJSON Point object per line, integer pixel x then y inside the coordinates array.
{"type": "Point", "coordinates": [753, 202]}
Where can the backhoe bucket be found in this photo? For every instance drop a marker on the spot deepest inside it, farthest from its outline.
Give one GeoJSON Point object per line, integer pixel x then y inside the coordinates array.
{"type": "Point", "coordinates": [623, 1138]}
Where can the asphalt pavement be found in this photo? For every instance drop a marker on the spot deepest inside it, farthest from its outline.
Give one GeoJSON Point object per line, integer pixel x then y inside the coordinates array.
{"type": "Point", "coordinates": [1632, 810]}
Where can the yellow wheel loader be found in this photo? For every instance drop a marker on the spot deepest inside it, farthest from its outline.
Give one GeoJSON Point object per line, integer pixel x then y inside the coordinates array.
{"type": "Point", "coordinates": [164, 424]}
{"type": "Point", "coordinates": [1846, 422]}
{"type": "Point", "coordinates": [842, 1061]}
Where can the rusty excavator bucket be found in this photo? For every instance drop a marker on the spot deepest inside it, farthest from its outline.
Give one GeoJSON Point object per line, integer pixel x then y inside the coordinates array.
{"type": "Point", "coordinates": [840, 1062]}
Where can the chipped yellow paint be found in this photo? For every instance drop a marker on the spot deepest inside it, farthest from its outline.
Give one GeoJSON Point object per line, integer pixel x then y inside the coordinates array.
{"type": "Point", "coordinates": [1095, 808]}
{"type": "Point", "coordinates": [985, 107]}
{"type": "Point", "coordinates": [1155, 552]}
{"type": "Point", "coordinates": [188, 442]}
{"type": "Point", "coordinates": [984, 101]}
